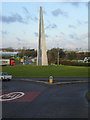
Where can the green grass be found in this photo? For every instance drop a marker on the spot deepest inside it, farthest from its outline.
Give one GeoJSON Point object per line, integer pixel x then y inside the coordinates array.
{"type": "Point", "coordinates": [46, 71]}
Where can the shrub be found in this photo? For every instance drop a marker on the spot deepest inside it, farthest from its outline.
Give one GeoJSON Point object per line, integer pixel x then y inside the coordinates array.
{"type": "Point", "coordinates": [73, 63]}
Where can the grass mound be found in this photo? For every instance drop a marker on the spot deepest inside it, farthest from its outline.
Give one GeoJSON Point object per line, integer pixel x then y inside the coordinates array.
{"type": "Point", "coordinates": [46, 71]}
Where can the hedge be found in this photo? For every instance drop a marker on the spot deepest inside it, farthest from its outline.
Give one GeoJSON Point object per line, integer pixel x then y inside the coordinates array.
{"type": "Point", "coordinates": [73, 63]}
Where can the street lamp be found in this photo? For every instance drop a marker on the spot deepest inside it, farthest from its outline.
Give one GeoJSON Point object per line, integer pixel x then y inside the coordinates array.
{"type": "Point", "coordinates": [58, 55]}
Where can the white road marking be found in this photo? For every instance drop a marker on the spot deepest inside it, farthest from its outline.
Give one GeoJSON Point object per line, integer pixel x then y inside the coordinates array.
{"type": "Point", "coordinates": [11, 96]}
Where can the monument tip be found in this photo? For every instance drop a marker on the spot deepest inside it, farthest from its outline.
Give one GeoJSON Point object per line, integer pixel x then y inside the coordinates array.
{"type": "Point", "coordinates": [40, 7]}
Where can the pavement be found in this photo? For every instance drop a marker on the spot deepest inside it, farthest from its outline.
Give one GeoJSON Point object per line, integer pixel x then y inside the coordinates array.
{"type": "Point", "coordinates": [45, 100]}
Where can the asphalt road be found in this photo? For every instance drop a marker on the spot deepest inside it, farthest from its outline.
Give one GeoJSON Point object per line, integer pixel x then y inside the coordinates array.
{"type": "Point", "coordinates": [46, 101]}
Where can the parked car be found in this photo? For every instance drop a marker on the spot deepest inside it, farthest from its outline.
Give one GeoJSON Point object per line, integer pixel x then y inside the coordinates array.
{"type": "Point", "coordinates": [5, 76]}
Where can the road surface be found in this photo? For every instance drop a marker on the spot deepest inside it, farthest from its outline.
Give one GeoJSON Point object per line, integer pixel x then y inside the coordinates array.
{"type": "Point", "coordinates": [45, 101]}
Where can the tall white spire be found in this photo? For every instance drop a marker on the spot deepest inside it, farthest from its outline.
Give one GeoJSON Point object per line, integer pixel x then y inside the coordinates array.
{"type": "Point", "coordinates": [41, 52]}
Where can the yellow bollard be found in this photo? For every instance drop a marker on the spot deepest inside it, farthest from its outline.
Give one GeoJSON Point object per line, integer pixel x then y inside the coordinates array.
{"type": "Point", "coordinates": [50, 79]}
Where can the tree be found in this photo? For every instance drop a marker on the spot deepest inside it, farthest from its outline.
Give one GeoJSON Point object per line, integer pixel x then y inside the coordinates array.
{"type": "Point", "coordinates": [72, 55]}
{"type": "Point", "coordinates": [27, 52]}
{"type": "Point", "coordinates": [53, 55]}
{"type": "Point", "coordinates": [9, 49]}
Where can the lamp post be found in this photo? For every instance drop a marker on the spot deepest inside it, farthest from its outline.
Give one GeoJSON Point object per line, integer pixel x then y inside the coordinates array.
{"type": "Point", "coordinates": [58, 55]}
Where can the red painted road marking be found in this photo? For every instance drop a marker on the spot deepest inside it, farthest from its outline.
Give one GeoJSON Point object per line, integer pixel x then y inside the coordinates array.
{"type": "Point", "coordinates": [28, 97]}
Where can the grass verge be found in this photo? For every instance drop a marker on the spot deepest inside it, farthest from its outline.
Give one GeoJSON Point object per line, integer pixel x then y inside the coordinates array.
{"type": "Point", "coordinates": [46, 71]}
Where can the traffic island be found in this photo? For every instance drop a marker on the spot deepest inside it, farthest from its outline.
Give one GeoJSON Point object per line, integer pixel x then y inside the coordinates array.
{"type": "Point", "coordinates": [51, 82]}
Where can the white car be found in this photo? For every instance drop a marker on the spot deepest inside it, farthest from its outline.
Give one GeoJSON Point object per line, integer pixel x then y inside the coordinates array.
{"type": "Point", "coordinates": [5, 76]}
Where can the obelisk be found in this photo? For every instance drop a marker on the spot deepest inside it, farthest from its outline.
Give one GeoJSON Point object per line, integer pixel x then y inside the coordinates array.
{"type": "Point", "coordinates": [41, 52]}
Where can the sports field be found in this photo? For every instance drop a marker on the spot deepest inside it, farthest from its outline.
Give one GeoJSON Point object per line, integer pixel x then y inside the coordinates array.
{"type": "Point", "coordinates": [46, 71]}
